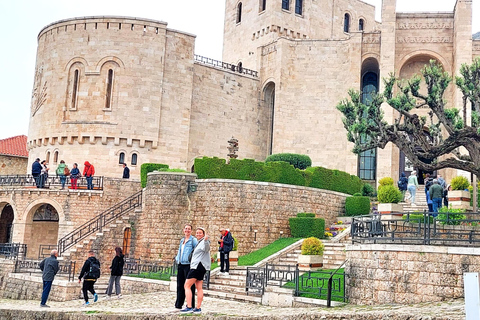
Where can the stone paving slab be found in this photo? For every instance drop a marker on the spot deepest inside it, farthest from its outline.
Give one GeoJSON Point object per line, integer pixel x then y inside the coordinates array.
{"type": "Point", "coordinates": [160, 306]}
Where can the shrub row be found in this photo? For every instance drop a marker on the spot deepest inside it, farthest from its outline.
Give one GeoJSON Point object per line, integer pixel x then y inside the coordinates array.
{"type": "Point", "coordinates": [299, 161]}
{"type": "Point", "coordinates": [307, 226]}
{"type": "Point", "coordinates": [357, 206]}
{"type": "Point", "coordinates": [149, 167]}
{"type": "Point", "coordinates": [279, 172]}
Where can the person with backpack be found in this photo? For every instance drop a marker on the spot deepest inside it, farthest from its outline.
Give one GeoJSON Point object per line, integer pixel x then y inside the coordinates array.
{"type": "Point", "coordinates": [402, 185]}
{"type": "Point", "coordinates": [90, 273]}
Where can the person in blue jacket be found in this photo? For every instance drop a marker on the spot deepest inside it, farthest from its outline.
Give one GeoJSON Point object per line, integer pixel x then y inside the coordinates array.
{"type": "Point", "coordinates": [187, 245]}
{"type": "Point", "coordinates": [36, 171]}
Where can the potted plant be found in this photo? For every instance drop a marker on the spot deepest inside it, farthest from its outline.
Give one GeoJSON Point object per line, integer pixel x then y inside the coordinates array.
{"type": "Point", "coordinates": [312, 254]}
{"type": "Point", "coordinates": [459, 196]}
{"type": "Point", "coordinates": [388, 197]}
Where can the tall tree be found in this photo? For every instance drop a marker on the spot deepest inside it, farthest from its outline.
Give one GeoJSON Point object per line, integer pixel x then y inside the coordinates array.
{"type": "Point", "coordinates": [440, 140]}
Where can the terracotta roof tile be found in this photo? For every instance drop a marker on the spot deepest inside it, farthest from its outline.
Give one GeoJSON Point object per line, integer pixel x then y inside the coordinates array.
{"type": "Point", "coordinates": [14, 146]}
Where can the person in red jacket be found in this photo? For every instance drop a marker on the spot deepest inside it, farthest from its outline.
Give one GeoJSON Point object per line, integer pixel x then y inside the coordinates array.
{"type": "Point", "coordinates": [88, 173]}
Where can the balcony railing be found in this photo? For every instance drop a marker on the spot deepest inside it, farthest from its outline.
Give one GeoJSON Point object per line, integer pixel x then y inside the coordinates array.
{"type": "Point", "coordinates": [48, 182]}
{"type": "Point", "coordinates": [225, 65]}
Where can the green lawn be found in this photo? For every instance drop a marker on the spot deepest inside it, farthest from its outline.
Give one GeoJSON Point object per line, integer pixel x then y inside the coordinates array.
{"type": "Point", "coordinates": [314, 285]}
{"type": "Point", "coordinates": [262, 253]}
{"type": "Point", "coordinates": [152, 275]}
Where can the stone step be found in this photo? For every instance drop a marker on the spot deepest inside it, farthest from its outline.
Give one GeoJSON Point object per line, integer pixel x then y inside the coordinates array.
{"type": "Point", "coordinates": [230, 277]}
{"type": "Point", "coordinates": [233, 296]}
{"type": "Point", "coordinates": [227, 288]}
{"type": "Point", "coordinates": [232, 282]}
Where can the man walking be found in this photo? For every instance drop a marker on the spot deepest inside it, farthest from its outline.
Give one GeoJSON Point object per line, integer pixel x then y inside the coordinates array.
{"type": "Point", "coordinates": [226, 245]}
{"type": "Point", "coordinates": [126, 171]}
{"type": "Point", "coordinates": [90, 273]}
{"type": "Point", "coordinates": [49, 267]}
{"type": "Point", "coordinates": [436, 194]}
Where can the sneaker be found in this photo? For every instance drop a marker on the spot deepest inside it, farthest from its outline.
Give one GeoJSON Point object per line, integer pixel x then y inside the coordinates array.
{"type": "Point", "coordinates": [226, 274]}
{"type": "Point", "coordinates": [119, 296]}
{"type": "Point", "coordinates": [95, 297]}
{"type": "Point", "coordinates": [44, 306]}
{"type": "Point", "coordinates": [187, 310]}
{"type": "Point", "coordinates": [86, 304]}
{"type": "Point", "coordinates": [108, 297]}
{"type": "Point", "coordinates": [197, 310]}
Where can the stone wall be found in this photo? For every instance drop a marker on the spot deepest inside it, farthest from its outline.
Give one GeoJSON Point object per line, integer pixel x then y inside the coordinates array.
{"type": "Point", "coordinates": [10, 165]}
{"type": "Point", "coordinates": [382, 274]}
{"type": "Point", "coordinates": [256, 212]}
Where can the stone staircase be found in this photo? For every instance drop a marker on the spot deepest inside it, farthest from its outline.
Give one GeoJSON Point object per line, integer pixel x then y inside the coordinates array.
{"type": "Point", "coordinates": [420, 201]}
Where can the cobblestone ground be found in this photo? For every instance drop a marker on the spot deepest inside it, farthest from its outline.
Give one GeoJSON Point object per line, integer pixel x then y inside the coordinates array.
{"type": "Point", "coordinates": [160, 306]}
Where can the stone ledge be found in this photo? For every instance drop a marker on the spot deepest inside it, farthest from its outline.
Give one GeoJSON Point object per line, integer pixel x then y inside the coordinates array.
{"type": "Point", "coordinates": [414, 248]}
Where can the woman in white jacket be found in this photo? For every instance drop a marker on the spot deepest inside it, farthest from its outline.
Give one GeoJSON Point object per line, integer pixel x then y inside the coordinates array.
{"type": "Point", "coordinates": [198, 267]}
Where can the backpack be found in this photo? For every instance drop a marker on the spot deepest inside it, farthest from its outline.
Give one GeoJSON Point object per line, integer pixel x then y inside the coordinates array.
{"type": "Point", "coordinates": [94, 272]}
{"type": "Point", "coordinates": [402, 184]}
{"type": "Point", "coordinates": [66, 171]}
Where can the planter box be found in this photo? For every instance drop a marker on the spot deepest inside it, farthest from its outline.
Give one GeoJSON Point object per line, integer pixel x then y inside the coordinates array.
{"type": "Point", "coordinates": [233, 258]}
{"type": "Point", "coordinates": [307, 262]}
{"type": "Point", "coordinates": [390, 210]}
{"type": "Point", "coordinates": [459, 199]}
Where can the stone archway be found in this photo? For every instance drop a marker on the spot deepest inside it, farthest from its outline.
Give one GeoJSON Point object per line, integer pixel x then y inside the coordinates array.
{"type": "Point", "coordinates": [269, 102]}
{"type": "Point", "coordinates": [41, 232]}
{"type": "Point", "coordinates": [6, 224]}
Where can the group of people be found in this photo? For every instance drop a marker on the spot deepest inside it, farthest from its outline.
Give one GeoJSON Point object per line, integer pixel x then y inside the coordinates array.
{"type": "Point", "coordinates": [436, 190]}
{"type": "Point", "coordinates": [90, 273]}
{"type": "Point", "coordinates": [40, 173]}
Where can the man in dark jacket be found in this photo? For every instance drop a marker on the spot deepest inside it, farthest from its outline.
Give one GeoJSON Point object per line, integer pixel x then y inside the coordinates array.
{"type": "Point", "coordinates": [90, 267]}
{"type": "Point", "coordinates": [436, 194]}
{"type": "Point", "coordinates": [126, 171]}
{"type": "Point", "coordinates": [36, 171]}
{"type": "Point", "coordinates": [226, 245]}
{"type": "Point", "coordinates": [49, 267]}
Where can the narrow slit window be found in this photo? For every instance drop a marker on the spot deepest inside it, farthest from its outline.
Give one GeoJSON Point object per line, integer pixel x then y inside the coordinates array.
{"type": "Point", "coordinates": [75, 89]}
{"type": "Point", "coordinates": [239, 13]}
{"type": "Point", "coordinates": [286, 4]}
{"type": "Point", "coordinates": [346, 23]}
{"type": "Point", "coordinates": [121, 158]}
{"type": "Point", "coordinates": [133, 27]}
{"type": "Point", "coordinates": [109, 92]}
{"type": "Point", "coordinates": [48, 157]}
{"type": "Point", "coordinates": [119, 26]}
{"type": "Point", "coordinates": [263, 5]}
{"type": "Point", "coordinates": [55, 157]}
{"type": "Point", "coordinates": [134, 159]}
{"type": "Point", "coordinates": [361, 24]}
{"type": "Point", "coordinates": [108, 25]}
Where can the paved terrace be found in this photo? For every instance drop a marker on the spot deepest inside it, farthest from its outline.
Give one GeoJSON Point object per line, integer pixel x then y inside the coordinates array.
{"type": "Point", "coordinates": [160, 306]}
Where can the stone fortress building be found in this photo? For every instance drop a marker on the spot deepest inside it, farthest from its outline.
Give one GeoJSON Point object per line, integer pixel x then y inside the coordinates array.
{"type": "Point", "coordinates": [117, 89]}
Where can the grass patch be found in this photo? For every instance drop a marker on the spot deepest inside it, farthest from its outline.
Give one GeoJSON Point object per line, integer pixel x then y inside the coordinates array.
{"type": "Point", "coordinates": [152, 275]}
{"type": "Point", "coordinates": [315, 285]}
{"type": "Point", "coordinates": [260, 254]}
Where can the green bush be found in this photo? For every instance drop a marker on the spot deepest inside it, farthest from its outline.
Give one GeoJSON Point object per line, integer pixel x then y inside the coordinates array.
{"type": "Point", "coordinates": [235, 244]}
{"type": "Point", "coordinates": [149, 167]}
{"type": "Point", "coordinates": [312, 246]}
{"type": "Point", "coordinates": [279, 172]}
{"type": "Point", "coordinates": [357, 206]}
{"type": "Point", "coordinates": [299, 161]}
{"type": "Point", "coordinates": [460, 183]}
{"type": "Point", "coordinates": [306, 215]}
{"type": "Point", "coordinates": [389, 194]}
{"type": "Point", "coordinates": [450, 216]}
{"type": "Point", "coordinates": [358, 194]}
{"type": "Point", "coordinates": [368, 190]}
{"type": "Point", "coordinates": [387, 181]}
{"type": "Point", "coordinates": [304, 227]}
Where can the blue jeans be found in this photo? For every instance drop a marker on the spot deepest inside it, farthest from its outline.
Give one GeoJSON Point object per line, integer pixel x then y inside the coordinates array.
{"type": "Point", "coordinates": [413, 191]}
{"type": "Point", "coordinates": [62, 180]}
{"type": "Point", "coordinates": [47, 285]}
{"type": "Point", "coordinates": [89, 183]}
{"type": "Point", "coordinates": [437, 204]}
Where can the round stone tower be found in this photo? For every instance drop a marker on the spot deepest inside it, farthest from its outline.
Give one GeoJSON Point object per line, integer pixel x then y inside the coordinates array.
{"type": "Point", "coordinates": [100, 86]}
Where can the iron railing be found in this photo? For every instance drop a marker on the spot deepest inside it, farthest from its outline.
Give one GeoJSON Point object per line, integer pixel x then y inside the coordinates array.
{"type": "Point", "coordinates": [418, 228]}
{"type": "Point", "coordinates": [319, 284]}
{"type": "Point", "coordinates": [13, 250]}
{"type": "Point", "coordinates": [49, 181]}
{"type": "Point", "coordinates": [225, 65]}
{"type": "Point", "coordinates": [44, 250]}
{"type": "Point", "coordinates": [66, 268]}
{"type": "Point", "coordinates": [99, 222]}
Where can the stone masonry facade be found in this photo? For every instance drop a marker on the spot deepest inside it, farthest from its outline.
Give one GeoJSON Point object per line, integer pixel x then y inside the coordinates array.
{"type": "Point", "coordinates": [12, 165]}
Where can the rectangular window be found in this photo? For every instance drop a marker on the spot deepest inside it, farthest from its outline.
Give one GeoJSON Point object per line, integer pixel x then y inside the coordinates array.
{"type": "Point", "coordinates": [286, 4]}
{"type": "Point", "coordinates": [298, 6]}
{"type": "Point", "coordinates": [263, 5]}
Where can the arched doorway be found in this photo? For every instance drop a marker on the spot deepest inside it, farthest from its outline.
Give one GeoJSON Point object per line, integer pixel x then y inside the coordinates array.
{"type": "Point", "coordinates": [44, 231]}
{"type": "Point", "coordinates": [6, 224]}
{"type": "Point", "coordinates": [367, 160]}
{"type": "Point", "coordinates": [269, 102]}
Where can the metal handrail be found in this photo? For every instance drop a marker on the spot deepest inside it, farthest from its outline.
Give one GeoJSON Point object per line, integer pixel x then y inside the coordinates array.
{"type": "Point", "coordinates": [329, 285]}
{"type": "Point", "coordinates": [225, 65]}
{"type": "Point", "coordinates": [66, 268]}
{"type": "Point", "coordinates": [100, 221]}
{"type": "Point", "coordinates": [28, 180]}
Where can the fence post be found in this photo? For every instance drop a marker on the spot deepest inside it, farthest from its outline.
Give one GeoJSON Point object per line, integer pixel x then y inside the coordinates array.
{"type": "Point", "coordinates": [329, 292]}
{"type": "Point", "coordinates": [297, 280]}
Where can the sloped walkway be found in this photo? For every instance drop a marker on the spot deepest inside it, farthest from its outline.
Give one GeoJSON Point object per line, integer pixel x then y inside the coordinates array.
{"type": "Point", "coordinates": [160, 306]}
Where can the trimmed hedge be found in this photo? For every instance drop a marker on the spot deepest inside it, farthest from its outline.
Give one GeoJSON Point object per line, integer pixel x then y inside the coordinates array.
{"type": "Point", "coordinates": [368, 190]}
{"type": "Point", "coordinates": [306, 215]}
{"type": "Point", "coordinates": [357, 206]}
{"type": "Point", "coordinates": [299, 161]}
{"type": "Point", "coordinates": [305, 227]}
{"type": "Point", "coordinates": [279, 172]}
{"type": "Point", "coordinates": [389, 194]}
{"type": "Point", "coordinates": [149, 167]}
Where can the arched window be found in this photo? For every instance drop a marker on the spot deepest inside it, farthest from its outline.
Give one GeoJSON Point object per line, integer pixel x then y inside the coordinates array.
{"type": "Point", "coordinates": [45, 212]}
{"type": "Point", "coordinates": [298, 6]}
{"type": "Point", "coordinates": [361, 25]}
{"type": "Point", "coordinates": [346, 23]}
{"type": "Point", "coordinates": [127, 238]}
{"type": "Point", "coordinates": [76, 76]}
{"type": "Point", "coordinates": [240, 67]}
{"type": "Point", "coordinates": [55, 157]}
{"type": "Point", "coordinates": [239, 13]}
{"type": "Point", "coordinates": [121, 158]}
{"type": "Point", "coordinates": [269, 99]}
{"type": "Point", "coordinates": [109, 91]}
{"type": "Point", "coordinates": [134, 159]}
{"type": "Point", "coordinates": [263, 5]}
{"type": "Point", "coordinates": [286, 4]}
{"type": "Point", "coordinates": [47, 158]}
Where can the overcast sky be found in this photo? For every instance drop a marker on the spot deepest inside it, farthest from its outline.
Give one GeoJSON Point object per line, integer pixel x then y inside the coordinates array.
{"type": "Point", "coordinates": [22, 20]}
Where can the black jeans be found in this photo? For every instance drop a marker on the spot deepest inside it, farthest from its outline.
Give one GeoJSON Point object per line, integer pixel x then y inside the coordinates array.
{"type": "Point", "coordinates": [224, 261]}
{"type": "Point", "coordinates": [87, 286]}
{"type": "Point", "coordinates": [183, 270]}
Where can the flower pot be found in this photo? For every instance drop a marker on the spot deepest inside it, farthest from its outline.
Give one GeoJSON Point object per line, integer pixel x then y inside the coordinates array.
{"type": "Point", "coordinates": [459, 199]}
{"type": "Point", "coordinates": [309, 262]}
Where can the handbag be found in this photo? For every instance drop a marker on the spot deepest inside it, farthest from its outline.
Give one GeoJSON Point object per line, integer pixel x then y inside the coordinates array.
{"type": "Point", "coordinates": [191, 253]}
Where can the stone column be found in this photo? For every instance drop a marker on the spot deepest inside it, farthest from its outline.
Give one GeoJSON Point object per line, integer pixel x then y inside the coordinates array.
{"type": "Point", "coordinates": [165, 211]}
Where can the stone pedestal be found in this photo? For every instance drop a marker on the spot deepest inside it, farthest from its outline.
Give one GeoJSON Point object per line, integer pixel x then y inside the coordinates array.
{"type": "Point", "coordinates": [459, 199]}
{"type": "Point", "coordinates": [310, 262]}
